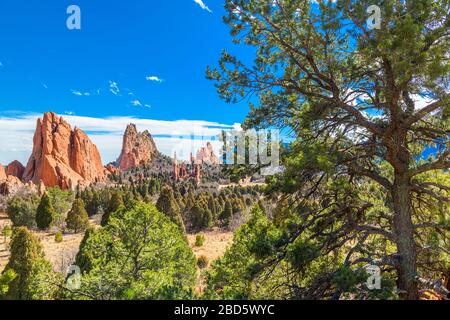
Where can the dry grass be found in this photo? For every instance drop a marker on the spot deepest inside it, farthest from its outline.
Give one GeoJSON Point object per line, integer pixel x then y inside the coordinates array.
{"type": "Point", "coordinates": [61, 255]}
{"type": "Point", "coordinates": [216, 242]}
{"type": "Point", "coordinates": [4, 243]}
{"type": "Point", "coordinates": [215, 245]}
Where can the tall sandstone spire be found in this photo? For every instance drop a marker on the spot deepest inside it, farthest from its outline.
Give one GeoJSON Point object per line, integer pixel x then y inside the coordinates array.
{"type": "Point", "coordinates": [137, 149]}
{"type": "Point", "coordinates": [61, 156]}
{"type": "Point", "coordinates": [2, 173]}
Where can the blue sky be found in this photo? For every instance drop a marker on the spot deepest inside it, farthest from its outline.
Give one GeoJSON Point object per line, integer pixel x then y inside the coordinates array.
{"type": "Point", "coordinates": [131, 59]}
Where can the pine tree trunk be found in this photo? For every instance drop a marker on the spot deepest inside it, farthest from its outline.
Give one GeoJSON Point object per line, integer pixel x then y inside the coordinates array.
{"type": "Point", "coordinates": [404, 231]}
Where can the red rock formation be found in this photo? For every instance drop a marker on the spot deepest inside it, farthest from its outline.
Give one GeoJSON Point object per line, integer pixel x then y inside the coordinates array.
{"type": "Point", "coordinates": [176, 172]}
{"type": "Point", "coordinates": [61, 156]}
{"type": "Point", "coordinates": [206, 155]}
{"type": "Point", "coordinates": [2, 173]}
{"type": "Point", "coordinates": [137, 149]}
{"type": "Point", "coordinates": [41, 188]}
{"type": "Point", "coordinates": [111, 169]}
{"type": "Point", "coordinates": [10, 186]}
{"type": "Point", "coordinates": [181, 172]}
{"type": "Point", "coordinates": [15, 169]}
{"type": "Point", "coordinates": [197, 173]}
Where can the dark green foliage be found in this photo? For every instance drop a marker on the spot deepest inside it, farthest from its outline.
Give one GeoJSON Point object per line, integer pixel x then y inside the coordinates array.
{"type": "Point", "coordinates": [61, 202]}
{"type": "Point", "coordinates": [202, 262]}
{"type": "Point", "coordinates": [301, 253]}
{"type": "Point", "coordinates": [201, 217]}
{"type": "Point", "coordinates": [22, 211]}
{"type": "Point", "coordinates": [364, 107]}
{"type": "Point", "coordinates": [233, 275]}
{"type": "Point", "coordinates": [77, 218]}
{"type": "Point", "coordinates": [114, 204]}
{"type": "Point", "coordinates": [227, 214]}
{"type": "Point", "coordinates": [168, 205]}
{"type": "Point", "coordinates": [139, 254]}
{"type": "Point", "coordinates": [84, 258]}
{"type": "Point", "coordinates": [45, 213]}
{"type": "Point", "coordinates": [35, 278]}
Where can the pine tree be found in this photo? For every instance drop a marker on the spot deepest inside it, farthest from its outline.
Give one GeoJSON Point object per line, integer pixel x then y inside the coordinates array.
{"type": "Point", "coordinates": [35, 278]}
{"type": "Point", "coordinates": [227, 214]}
{"type": "Point", "coordinates": [77, 218]}
{"type": "Point", "coordinates": [365, 106]}
{"type": "Point", "coordinates": [45, 213]}
{"type": "Point", "coordinates": [93, 205]}
{"type": "Point", "coordinates": [82, 259]}
{"type": "Point", "coordinates": [201, 216]}
{"type": "Point", "coordinates": [114, 203]}
{"type": "Point", "coordinates": [168, 205]}
{"type": "Point", "coordinates": [212, 206]}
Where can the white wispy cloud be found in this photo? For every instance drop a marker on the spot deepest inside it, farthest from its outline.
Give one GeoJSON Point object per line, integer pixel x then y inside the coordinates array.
{"type": "Point", "coordinates": [44, 85]}
{"type": "Point", "coordinates": [114, 88]}
{"type": "Point", "coordinates": [80, 94]}
{"type": "Point", "coordinates": [181, 136]}
{"type": "Point", "coordinates": [1, 64]}
{"type": "Point", "coordinates": [136, 103]}
{"type": "Point", "coordinates": [203, 5]}
{"type": "Point", "coordinates": [154, 78]}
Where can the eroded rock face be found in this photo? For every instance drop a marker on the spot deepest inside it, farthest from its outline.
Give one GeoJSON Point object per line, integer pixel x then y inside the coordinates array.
{"type": "Point", "coordinates": [61, 156]}
{"type": "Point", "coordinates": [137, 149]}
{"type": "Point", "coordinates": [206, 155]}
{"type": "Point", "coordinates": [111, 169]}
{"type": "Point", "coordinates": [10, 186]}
{"type": "Point", "coordinates": [2, 173]}
{"type": "Point", "coordinates": [15, 169]}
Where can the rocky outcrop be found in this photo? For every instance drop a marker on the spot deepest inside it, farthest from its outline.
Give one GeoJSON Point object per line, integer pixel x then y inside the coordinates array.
{"type": "Point", "coordinates": [137, 149]}
{"type": "Point", "coordinates": [41, 188]}
{"type": "Point", "coordinates": [10, 186]}
{"type": "Point", "coordinates": [206, 155]}
{"type": "Point", "coordinates": [15, 169]}
{"type": "Point", "coordinates": [2, 173]}
{"type": "Point", "coordinates": [111, 169]}
{"type": "Point", "coordinates": [61, 156]}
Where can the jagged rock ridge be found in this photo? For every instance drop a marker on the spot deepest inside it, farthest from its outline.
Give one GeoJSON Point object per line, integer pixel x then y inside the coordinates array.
{"type": "Point", "coordinates": [61, 156]}
{"type": "Point", "coordinates": [137, 149]}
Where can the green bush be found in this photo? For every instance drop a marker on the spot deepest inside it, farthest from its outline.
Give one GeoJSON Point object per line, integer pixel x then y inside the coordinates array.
{"type": "Point", "coordinates": [77, 218]}
{"type": "Point", "coordinates": [61, 201]}
{"type": "Point", "coordinates": [22, 211]}
{"type": "Point", "coordinates": [35, 278]}
{"type": "Point", "coordinates": [45, 213]}
{"type": "Point", "coordinates": [202, 262]}
{"type": "Point", "coordinates": [58, 237]}
{"type": "Point", "coordinates": [139, 254]}
{"type": "Point", "coordinates": [6, 231]}
{"type": "Point", "coordinates": [199, 240]}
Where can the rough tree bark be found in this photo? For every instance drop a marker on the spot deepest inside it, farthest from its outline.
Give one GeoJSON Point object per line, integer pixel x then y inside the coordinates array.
{"type": "Point", "coordinates": [404, 232]}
